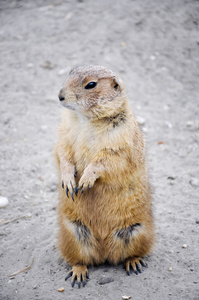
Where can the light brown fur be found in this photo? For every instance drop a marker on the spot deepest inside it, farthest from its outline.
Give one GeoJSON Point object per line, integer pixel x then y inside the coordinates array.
{"type": "Point", "coordinates": [100, 141]}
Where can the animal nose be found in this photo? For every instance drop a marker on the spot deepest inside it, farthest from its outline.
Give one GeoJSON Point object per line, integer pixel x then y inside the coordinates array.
{"type": "Point", "coordinates": [61, 97]}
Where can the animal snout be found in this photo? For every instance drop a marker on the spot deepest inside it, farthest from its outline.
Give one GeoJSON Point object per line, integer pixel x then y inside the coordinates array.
{"type": "Point", "coordinates": [60, 96]}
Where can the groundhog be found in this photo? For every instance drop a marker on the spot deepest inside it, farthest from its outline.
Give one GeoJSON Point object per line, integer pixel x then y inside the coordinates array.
{"type": "Point", "coordinates": [105, 205]}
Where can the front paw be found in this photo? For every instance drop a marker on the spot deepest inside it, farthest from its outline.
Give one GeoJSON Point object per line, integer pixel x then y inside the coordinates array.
{"type": "Point", "coordinates": [69, 184]}
{"type": "Point", "coordinates": [87, 181]}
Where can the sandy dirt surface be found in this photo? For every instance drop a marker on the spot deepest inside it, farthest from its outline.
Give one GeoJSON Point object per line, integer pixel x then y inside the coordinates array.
{"type": "Point", "coordinates": [154, 46]}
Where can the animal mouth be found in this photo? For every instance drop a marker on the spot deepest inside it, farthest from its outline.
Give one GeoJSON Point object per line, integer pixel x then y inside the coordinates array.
{"type": "Point", "coordinates": [68, 106]}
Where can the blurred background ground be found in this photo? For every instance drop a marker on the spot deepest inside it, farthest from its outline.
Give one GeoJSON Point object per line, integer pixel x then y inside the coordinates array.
{"type": "Point", "coordinates": [154, 46]}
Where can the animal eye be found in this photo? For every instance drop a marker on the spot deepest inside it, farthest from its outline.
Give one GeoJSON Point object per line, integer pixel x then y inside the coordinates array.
{"type": "Point", "coordinates": [116, 86]}
{"type": "Point", "coordinates": [90, 85]}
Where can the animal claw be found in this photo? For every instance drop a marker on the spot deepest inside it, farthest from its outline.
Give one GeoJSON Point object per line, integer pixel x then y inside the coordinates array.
{"type": "Point", "coordinates": [73, 283]}
{"type": "Point", "coordinates": [71, 193]}
{"type": "Point", "coordinates": [76, 190]}
{"type": "Point", "coordinates": [67, 192]}
{"type": "Point", "coordinates": [72, 196]}
{"type": "Point", "coordinates": [83, 283]}
{"type": "Point", "coordinates": [83, 191]}
{"type": "Point", "coordinates": [138, 268]}
{"type": "Point", "coordinates": [69, 275]}
{"type": "Point", "coordinates": [80, 188]}
{"type": "Point", "coordinates": [143, 263]}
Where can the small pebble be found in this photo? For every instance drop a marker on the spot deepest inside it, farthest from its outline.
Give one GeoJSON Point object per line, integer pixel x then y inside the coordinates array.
{"type": "Point", "coordinates": [123, 44]}
{"type": "Point", "coordinates": [166, 107]}
{"type": "Point", "coordinates": [63, 72]}
{"type": "Point", "coordinates": [172, 183]}
{"type": "Point", "coordinates": [53, 187]}
{"type": "Point", "coordinates": [170, 269]}
{"type": "Point", "coordinates": [126, 297]}
{"type": "Point", "coordinates": [47, 65]}
{"type": "Point", "coordinates": [172, 177]}
{"type": "Point", "coordinates": [105, 280]}
{"type": "Point", "coordinates": [152, 57]}
{"type": "Point", "coordinates": [144, 129]}
{"type": "Point", "coordinates": [194, 182]}
{"type": "Point", "coordinates": [44, 128]}
{"type": "Point", "coordinates": [190, 124]}
{"type": "Point", "coordinates": [168, 124]}
{"type": "Point", "coordinates": [69, 15]}
{"type": "Point", "coordinates": [184, 246]}
{"type": "Point", "coordinates": [3, 202]}
{"type": "Point", "coordinates": [140, 120]}
{"type": "Point", "coordinates": [30, 65]}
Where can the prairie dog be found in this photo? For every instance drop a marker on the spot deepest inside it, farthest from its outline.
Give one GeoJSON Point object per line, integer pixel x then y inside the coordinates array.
{"type": "Point", "coordinates": [105, 205]}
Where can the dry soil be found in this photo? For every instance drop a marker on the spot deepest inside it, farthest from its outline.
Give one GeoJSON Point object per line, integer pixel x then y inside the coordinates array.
{"type": "Point", "coordinates": [154, 46]}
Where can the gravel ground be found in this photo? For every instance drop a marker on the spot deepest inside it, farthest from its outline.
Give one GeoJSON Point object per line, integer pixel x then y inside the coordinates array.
{"type": "Point", "coordinates": [154, 46]}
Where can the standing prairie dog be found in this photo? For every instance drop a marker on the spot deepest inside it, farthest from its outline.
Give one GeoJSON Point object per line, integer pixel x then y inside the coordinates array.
{"type": "Point", "coordinates": [105, 208]}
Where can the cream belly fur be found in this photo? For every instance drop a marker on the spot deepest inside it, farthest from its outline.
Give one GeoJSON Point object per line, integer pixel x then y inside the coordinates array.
{"type": "Point", "coordinates": [105, 207]}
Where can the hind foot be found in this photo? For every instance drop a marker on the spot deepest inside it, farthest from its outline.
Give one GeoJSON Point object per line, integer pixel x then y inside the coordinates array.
{"type": "Point", "coordinates": [79, 273]}
{"type": "Point", "coordinates": [135, 263]}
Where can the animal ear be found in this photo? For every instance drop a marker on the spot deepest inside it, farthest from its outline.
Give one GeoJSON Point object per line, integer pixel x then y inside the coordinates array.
{"type": "Point", "coordinates": [72, 70]}
{"type": "Point", "coordinates": [116, 84]}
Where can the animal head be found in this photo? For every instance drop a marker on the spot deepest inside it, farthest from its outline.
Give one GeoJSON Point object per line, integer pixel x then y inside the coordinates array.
{"type": "Point", "coordinates": [93, 91]}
